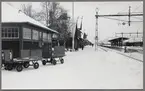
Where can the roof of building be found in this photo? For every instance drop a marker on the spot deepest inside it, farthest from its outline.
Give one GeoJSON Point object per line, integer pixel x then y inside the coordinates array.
{"type": "Point", "coordinates": [13, 15]}
{"type": "Point", "coordinates": [115, 39]}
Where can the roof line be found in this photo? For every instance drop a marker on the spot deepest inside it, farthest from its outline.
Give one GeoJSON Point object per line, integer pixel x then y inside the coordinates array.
{"type": "Point", "coordinates": [39, 23]}
{"type": "Point", "coordinates": [51, 30]}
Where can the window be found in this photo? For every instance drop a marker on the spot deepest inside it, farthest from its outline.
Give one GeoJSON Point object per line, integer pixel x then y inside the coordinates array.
{"type": "Point", "coordinates": [40, 35]}
{"type": "Point", "coordinates": [54, 36]}
{"type": "Point", "coordinates": [35, 35]}
{"type": "Point", "coordinates": [26, 33]}
{"type": "Point", "coordinates": [10, 32]}
{"type": "Point", "coordinates": [44, 36]}
{"type": "Point", "coordinates": [49, 38]}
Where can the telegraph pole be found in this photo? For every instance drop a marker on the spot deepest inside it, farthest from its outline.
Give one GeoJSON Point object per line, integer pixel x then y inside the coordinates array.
{"type": "Point", "coordinates": [96, 31]}
{"type": "Point", "coordinates": [129, 16]}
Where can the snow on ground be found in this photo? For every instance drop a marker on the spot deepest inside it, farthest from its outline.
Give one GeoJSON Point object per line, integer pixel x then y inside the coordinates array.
{"type": "Point", "coordinates": [84, 69]}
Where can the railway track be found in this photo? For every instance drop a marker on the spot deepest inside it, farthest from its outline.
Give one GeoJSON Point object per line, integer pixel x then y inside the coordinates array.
{"type": "Point", "coordinates": [104, 49]}
{"type": "Point", "coordinates": [118, 52]}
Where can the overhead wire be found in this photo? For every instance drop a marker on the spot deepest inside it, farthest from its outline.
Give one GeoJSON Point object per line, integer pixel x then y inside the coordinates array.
{"type": "Point", "coordinates": [132, 16]}
{"type": "Point", "coordinates": [120, 19]}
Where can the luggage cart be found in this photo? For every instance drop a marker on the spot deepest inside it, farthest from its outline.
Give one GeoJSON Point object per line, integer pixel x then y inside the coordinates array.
{"type": "Point", "coordinates": [10, 63]}
{"type": "Point", "coordinates": [57, 54]}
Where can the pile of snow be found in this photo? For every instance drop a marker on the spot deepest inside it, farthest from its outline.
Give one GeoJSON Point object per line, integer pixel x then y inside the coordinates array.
{"type": "Point", "coordinates": [13, 15]}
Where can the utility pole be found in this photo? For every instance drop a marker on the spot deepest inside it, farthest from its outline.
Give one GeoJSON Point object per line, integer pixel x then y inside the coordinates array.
{"type": "Point", "coordinates": [137, 33]}
{"type": "Point", "coordinates": [129, 16]}
{"type": "Point", "coordinates": [96, 31]}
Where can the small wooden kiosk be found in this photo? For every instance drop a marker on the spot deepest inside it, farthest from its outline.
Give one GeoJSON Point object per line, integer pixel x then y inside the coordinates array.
{"type": "Point", "coordinates": [24, 39]}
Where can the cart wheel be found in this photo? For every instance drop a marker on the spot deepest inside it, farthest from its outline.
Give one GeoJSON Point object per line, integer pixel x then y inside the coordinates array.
{"type": "Point", "coordinates": [43, 62]}
{"type": "Point", "coordinates": [5, 67]}
{"type": "Point", "coordinates": [53, 62]}
{"type": "Point", "coordinates": [36, 65]}
{"type": "Point", "coordinates": [9, 66]}
{"type": "Point", "coordinates": [62, 61]}
{"type": "Point", "coordinates": [26, 64]}
{"type": "Point", "coordinates": [19, 67]}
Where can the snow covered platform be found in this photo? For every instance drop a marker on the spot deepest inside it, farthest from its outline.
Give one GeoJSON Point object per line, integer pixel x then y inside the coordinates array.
{"type": "Point", "coordinates": [84, 69]}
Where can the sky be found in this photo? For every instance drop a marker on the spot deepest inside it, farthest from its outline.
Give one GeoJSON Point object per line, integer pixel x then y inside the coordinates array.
{"type": "Point", "coordinates": [106, 27]}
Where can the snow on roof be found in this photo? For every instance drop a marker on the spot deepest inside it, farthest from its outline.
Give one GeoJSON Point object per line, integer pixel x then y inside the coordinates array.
{"type": "Point", "coordinates": [11, 14]}
{"type": "Point", "coordinates": [134, 40]}
{"type": "Point", "coordinates": [115, 38]}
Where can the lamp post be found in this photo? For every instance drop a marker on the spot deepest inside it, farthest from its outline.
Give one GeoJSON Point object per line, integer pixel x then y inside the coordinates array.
{"type": "Point", "coordinates": [96, 30]}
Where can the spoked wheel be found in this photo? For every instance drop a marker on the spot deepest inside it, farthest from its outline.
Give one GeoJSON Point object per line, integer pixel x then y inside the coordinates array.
{"type": "Point", "coordinates": [62, 60]}
{"type": "Point", "coordinates": [5, 67]}
{"type": "Point", "coordinates": [9, 67]}
{"type": "Point", "coordinates": [44, 62]}
{"type": "Point", "coordinates": [36, 65]}
{"type": "Point", "coordinates": [26, 64]}
{"type": "Point", "coordinates": [19, 67]}
{"type": "Point", "coordinates": [53, 61]}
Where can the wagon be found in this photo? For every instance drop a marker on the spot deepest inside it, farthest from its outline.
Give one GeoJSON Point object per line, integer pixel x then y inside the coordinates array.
{"type": "Point", "coordinates": [57, 54]}
{"type": "Point", "coordinates": [10, 63]}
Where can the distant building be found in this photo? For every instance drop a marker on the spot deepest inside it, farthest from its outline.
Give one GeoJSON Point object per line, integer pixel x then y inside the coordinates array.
{"type": "Point", "coordinates": [117, 41]}
{"type": "Point", "coordinates": [126, 41]}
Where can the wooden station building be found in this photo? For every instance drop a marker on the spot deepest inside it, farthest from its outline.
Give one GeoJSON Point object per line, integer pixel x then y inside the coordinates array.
{"type": "Point", "coordinates": [23, 35]}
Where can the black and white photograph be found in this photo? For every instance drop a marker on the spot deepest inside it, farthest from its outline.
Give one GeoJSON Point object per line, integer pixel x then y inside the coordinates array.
{"type": "Point", "coordinates": [71, 45]}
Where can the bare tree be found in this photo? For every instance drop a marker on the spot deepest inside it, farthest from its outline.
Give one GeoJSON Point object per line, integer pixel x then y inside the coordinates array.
{"type": "Point", "coordinates": [27, 9]}
{"type": "Point", "coordinates": [44, 13]}
{"type": "Point", "coordinates": [53, 16]}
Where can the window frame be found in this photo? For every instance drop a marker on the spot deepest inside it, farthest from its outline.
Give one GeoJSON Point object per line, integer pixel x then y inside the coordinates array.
{"type": "Point", "coordinates": [5, 33]}
{"type": "Point", "coordinates": [33, 32]}
{"type": "Point", "coordinates": [24, 31]}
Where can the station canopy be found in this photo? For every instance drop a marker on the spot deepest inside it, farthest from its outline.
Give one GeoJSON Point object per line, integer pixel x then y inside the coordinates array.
{"type": "Point", "coordinates": [116, 39]}
{"type": "Point", "coordinates": [131, 40]}
{"type": "Point", "coordinates": [13, 15]}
